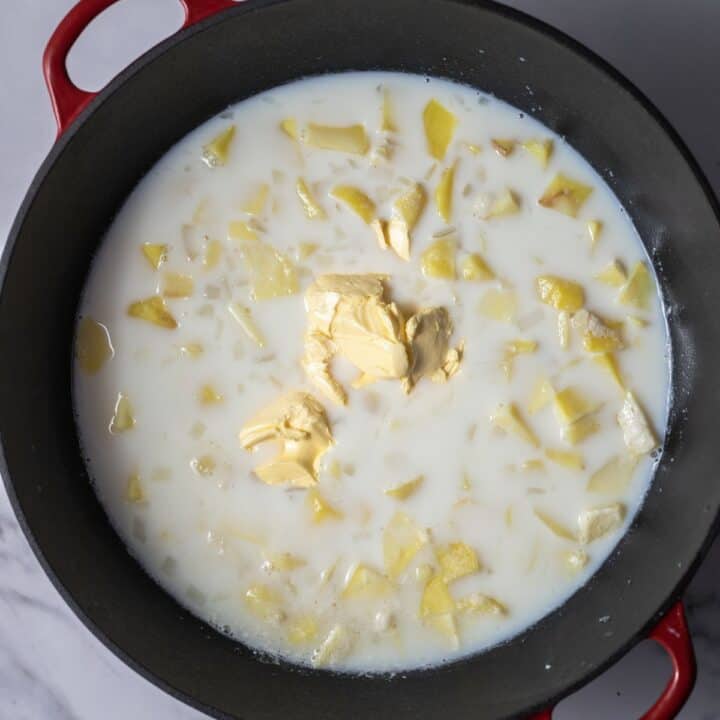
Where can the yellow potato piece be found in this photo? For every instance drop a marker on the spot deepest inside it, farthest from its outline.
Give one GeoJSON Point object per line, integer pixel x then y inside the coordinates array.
{"type": "Point", "coordinates": [439, 124]}
{"type": "Point", "coordinates": [366, 582]}
{"type": "Point", "coordinates": [498, 305]}
{"type": "Point", "coordinates": [479, 604]}
{"type": "Point", "coordinates": [306, 250]}
{"type": "Point", "coordinates": [322, 510]}
{"type": "Point", "coordinates": [594, 228]}
{"type": "Point", "coordinates": [457, 560]}
{"type": "Point", "coordinates": [565, 458]}
{"type": "Point", "coordinates": [609, 362]}
{"type": "Point", "coordinates": [474, 269]}
{"type": "Point", "coordinates": [356, 200]}
{"type": "Point", "coordinates": [541, 150]}
{"type": "Point", "coordinates": [410, 205]}
{"type": "Point", "coordinates": [204, 465]}
{"type": "Point", "coordinates": [596, 522]}
{"type": "Point", "coordinates": [208, 395]}
{"type": "Point", "coordinates": [255, 202]}
{"type": "Point", "coordinates": [289, 127]}
{"type": "Point", "coordinates": [407, 210]}
{"type": "Point", "coordinates": [350, 139]}
{"type": "Point", "coordinates": [557, 528]}
{"type": "Point", "coordinates": [532, 466]}
{"type": "Point", "coordinates": [565, 195]}
{"type": "Point", "coordinates": [154, 311]}
{"type": "Point", "coordinates": [240, 230]}
{"type": "Point", "coordinates": [134, 491]}
{"type": "Point", "coordinates": [216, 152]}
{"type": "Point", "coordinates": [445, 625]}
{"type": "Point", "coordinates": [93, 347]}
{"type": "Point", "coordinates": [213, 253]}
{"type": "Point", "coordinates": [155, 253]}
{"type": "Point", "coordinates": [302, 630]}
{"type": "Point", "coordinates": [638, 289]}
{"type": "Point", "coordinates": [507, 417]}
{"type": "Point", "coordinates": [298, 422]}
{"type": "Point", "coordinates": [444, 193]}
{"type": "Point", "coordinates": [637, 433]}
{"type": "Point", "coordinates": [177, 285]}
{"type": "Point", "coordinates": [243, 317]}
{"type": "Point", "coordinates": [438, 259]}
{"type": "Point", "coordinates": [613, 274]}
{"type": "Point", "coordinates": [271, 273]}
{"type": "Point", "coordinates": [513, 348]}
{"type": "Point", "coordinates": [387, 123]}
{"type": "Point", "coordinates": [405, 490]}
{"type": "Point", "coordinates": [263, 601]}
{"type": "Point", "coordinates": [473, 148]}
{"type": "Point", "coordinates": [571, 405]}
{"type": "Point", "coordinates": [542, 395]}
{"type": "Point", "coordinates": [503, 147]}
{"type": "Point", "coordinates": [123, 418]}
{"type": "Point", "coordinates": [285, 562]}
{"type": "Point", "coordinates": [506, 203]}
{"type": "Point", "coordinates": [614, 476]}
{"type": "Point", "coordinates": [436, 598]}
{"type": "Point", "coordinates": [564, 329]}
{"type": "Point", "coordinates": [402, 539]}
{"type": "Point", "coordinates": [576, 559]}
{"type": "Point", "coordinates": [310, 205]}
{"type": "Point", "coordinates": [335, 647]}
{"type": "Point", "coordinates": [560, 293]}
{"type": "Point", "coordinates": [580, 430]}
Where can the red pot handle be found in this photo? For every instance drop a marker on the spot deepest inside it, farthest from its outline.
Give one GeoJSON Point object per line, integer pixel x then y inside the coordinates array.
{"type": "Point", "coordinates": [67, 99]}
{"type": "Point", "coordinates": [673, 634]}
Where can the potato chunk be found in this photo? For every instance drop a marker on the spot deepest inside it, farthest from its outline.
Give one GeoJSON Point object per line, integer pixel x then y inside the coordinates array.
{"type": "Point", "coordinates": [560, 293]}
{"type": "Point", "coordinates": [541, 150]}
{"type": "Point", "coordinates": [321, 509]}
{"type": "Point", "coordinates": [217, 151]}
{"type": "Point", "coordinates": [565, 195]}
{"type": "Point", "coordinates": [637, 433]}
{"type": "Point", "coordinates": [613, 274]}
{"type": "Point", "coordinates": [638, 289]}
{"type": "Point", "coordinates": [479, 604]}
{"type": "Point", "coordinates": [155, 253]}
{"type": "Point", "coordinates": [444, 194]}
{"type": "Point", "coordinates": [93, 347]}
{"type": "Point", "coordinates": [177, 285]}
{"type": "Point", "coordinates": [505, 204]}
{"type": "Point", "coordinates": [366, 582]}
{"type": "Point", "coordinates": [566, 458]}
{"type": "Point", "coordinates": [503, 146]}
{"type": "Point", "coordinates": [271, 273]}
{"type": "Point", "coordinates": [507, 417]}
{"type": "Point", "coordinates": [123, 418]}
{"type": "Point", "coordinates": [154, 311]}
{"type": "Point", "coordinates": [475, 269]}
{"type": "Point", "coordinates": [436, 598]}
{"type": "Point", "coordinates": [351, 139]}
{"type": "Point", "coordinates": [402, 539]}
{"type": "Point", "coordinates": [438, 260]}
{"type": "Point", "coordinates": [311, 207]}
{"type": "Point", "coordinates": [614, 476]}
{"type": "Point", "coordinates": [439, 125]}
{"type": "Point", "coordinates": [356, 200]}
{"type": "Point", "coordinates": [407, 489]}
{"type": "Point", "coordinates": [498, 305]}
{"type": "Point", "coordinates": [457, 560]}
{"type": "Point", "coordinates": [556, 527]}
{"type": "Point", "coordinates": [598, 521]}
{"type": "Point", "coordinates": [336, 646]}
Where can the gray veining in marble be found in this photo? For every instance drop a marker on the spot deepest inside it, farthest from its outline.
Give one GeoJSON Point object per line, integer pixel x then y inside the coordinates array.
{"type": "Point", "coordinates": [51, 667]}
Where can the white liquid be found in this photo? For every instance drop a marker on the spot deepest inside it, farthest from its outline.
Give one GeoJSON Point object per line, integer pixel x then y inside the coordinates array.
{"type": "Point", "coordinates": [205, 539]}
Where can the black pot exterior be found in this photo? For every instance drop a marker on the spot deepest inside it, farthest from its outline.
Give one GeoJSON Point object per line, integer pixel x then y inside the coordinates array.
{"type": "Point", "coordinates": [196, 74]}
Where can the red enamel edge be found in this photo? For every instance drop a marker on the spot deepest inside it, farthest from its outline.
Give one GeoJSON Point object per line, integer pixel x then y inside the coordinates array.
{"type": "Point", "coordinates": [673, 634]}
{"type": "Point", "coordinates": [67, 99]}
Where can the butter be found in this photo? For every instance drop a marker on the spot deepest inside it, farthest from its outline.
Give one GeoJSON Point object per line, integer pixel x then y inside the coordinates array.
{"type": "Point", "coordinates": [298, 423]}
{"type": "Point", "coordinates": [428, 335]}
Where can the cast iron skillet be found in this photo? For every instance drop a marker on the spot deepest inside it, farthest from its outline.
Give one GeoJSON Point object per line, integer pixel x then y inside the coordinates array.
{"type": "Point", "coordinates": [112, 139]}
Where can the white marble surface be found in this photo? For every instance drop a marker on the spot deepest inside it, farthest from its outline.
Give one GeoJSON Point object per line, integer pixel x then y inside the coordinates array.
{"type": "Point", "coordinates": [51, 667]}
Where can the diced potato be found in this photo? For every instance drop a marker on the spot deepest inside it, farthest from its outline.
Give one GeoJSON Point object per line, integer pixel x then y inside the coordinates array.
{"type": "Point", "coordinates": [580, 430]}
{"type": "Point", "coordinates": [192, 350]}
{"type": "Point", "coordinates": [576, 559]}
{"type": "Point", "coordinates": [322, 511]}
{"type": "Point", "coordinates": [506, 203]}
{"type": "Point", "coordinates": [263, 601]}
{"type": "Point", "coordinates": [272, 274]}
{"type": "Point", "coordinates": [123, 418]}
{"type": "Point", "coordinates": [350, 139]}
{"type": "Point", "coordinates": [532, 466]}
{"type": "Point", "coordinates": [541, 150]}
{"type": "Point", "coordinates": [381, 228]}
{"type": "Point", "coordinates": [557, 528]}
{"type": "Point", "coordinates": [154, 311]}
{"type": "Point", "coordinates": [387, 123]}
{"type": "Point", "coordinates": [565, 195]}
{"type": "Point", "coordinates": [479, 604]}
{"type": "Point", "coordinates": [613, 274]}
{"type": "Point", "coordinates": [285, 562]}
{"type": "Point", "coordinates": [507, 417]}
{"type": "Point", "coordinates": [406, 489]}
{"type": "Point", "coordinates": [410, 205]}
{"type": "Point", "coordinates": [436, 598]}
{"type": "Point", "coordinates": [541, 396]}
{"type": "Point", "coordinates": [438, 260]}
{"type": "Point", "coordinates": [444, 193]}
{"type": "Point", "coordinates": [356, 200]}
{"type": "Point", "coordinates": [335, 647]}
{"type": "Point", "coordinates": [498, 305]}
{"type": "Point", "coordinates": [569, 460]}
{"type": "Point", "coordinates": [609, 362]}
{"type": "Point", "coordinates": [637, 433]}
{"type": "Point", "coordinates": [513, 348]}
{"type": "Point", "coordinates": [445, 625]}
{"type": "Point", "coordinates": [289, 127]}
{"type": "Point", "coordinates": [475, 269]}
{"type": "Point", "coordinates": [134, 491]}
{"type": "Point", "coordinates": [503, 147]}
{"type": "Point", "coordinates": [457, 560]}
{"type": "Point", "coordinates": [571, 405]}
{"type": "Point", "coordinates": [213, 253]}
{"type": "Point", "coordinates": [177, 285]}
{"type": "Point", "coordinates": [204, 465]}
{"type": "Point", "coordinates": [208, 395]}
{"type": "Point", "coordinates": [473, 148]}
{"type": "Point", "coordinates": [598, 521]}
{"type": "Point", "coordinates": [402, 539]}
{"type": "Point", "coordinates": [216, 152]}
{"type": "Point", "coordinates": [366, 582]}
{"type": "Point", "coordinates": [560, 293]}
{"type": "Point", "coordinates": [93, 347]}
{"type": "Point", "coordinates": [595, 228]}
{"type": "Point", "coordinates": [439, 125]}
{"type": "Point", "coordinates": [564, 329]}
{"type": "Point", "coordinates": [255, 202]}
{"type": "Point", "coordinates": [306, 250]}
{"type": "Point", "coordinates": [639, 287]}
{"type": "Point", "coordinates": [311, 207]}
{"type": "Point", "coordinates": [423, 573]}
{"type": "Point", "coordinates": [243, 317]}
{"type": "Point", "coordinates": [598, 336]}
{"type": "Point", "coordinates": [240, 230]}
{"type": "Point", "coordinates": [302, 630]}
{"type": "Point", "coordinates": [155, 253]}
{"type": "Point", "coordinates": [614, 476]}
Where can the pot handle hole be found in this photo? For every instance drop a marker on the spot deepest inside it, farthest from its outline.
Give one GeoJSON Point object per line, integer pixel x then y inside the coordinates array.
{"type": "Point", "coordinates": [68, 100]}
{"type": "Point", "coordinates": [673, 634]}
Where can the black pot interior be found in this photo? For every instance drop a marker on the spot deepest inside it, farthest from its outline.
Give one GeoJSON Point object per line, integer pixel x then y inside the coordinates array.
{"type": "Point", "coordinates": [197, 74]}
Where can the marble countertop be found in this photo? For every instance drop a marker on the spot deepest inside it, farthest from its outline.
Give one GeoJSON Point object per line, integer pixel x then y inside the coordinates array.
{"type": "Point", "coordinates": [51, 667]}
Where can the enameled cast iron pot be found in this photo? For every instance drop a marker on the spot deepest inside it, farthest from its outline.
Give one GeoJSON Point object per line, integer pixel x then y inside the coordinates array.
{"type": "Point", "coordinates": [227, 52]}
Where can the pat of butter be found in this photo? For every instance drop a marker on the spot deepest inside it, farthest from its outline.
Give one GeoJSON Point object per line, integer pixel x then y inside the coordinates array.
{"type": "Point", "coordinates": [298, 422]}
